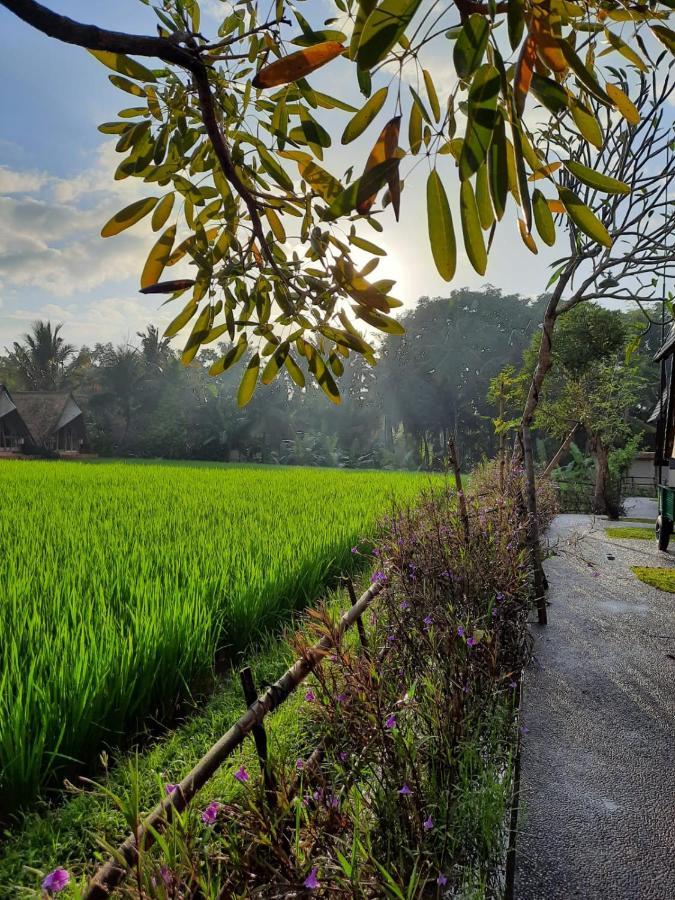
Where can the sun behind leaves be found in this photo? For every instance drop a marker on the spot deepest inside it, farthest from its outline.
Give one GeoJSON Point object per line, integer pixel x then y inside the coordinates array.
{"type": "Point", "coordinates": [231, 144]}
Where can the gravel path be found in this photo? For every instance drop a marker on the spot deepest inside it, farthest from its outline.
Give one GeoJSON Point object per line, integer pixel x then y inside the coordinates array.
{"type": "Point", "coordinates": [597, 816]}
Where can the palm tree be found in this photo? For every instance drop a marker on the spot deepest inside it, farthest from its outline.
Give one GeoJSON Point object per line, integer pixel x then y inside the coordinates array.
{"type": "Point", "coordinates": [41, 360]}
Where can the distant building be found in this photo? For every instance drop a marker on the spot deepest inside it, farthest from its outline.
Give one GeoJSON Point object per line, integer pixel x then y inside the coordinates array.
{"type": "Point", "coordinates": [38, 421]}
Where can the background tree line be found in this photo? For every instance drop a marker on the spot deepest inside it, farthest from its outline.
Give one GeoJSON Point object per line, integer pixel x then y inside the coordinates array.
{"type": "Point", "coordinates": [442, 378]}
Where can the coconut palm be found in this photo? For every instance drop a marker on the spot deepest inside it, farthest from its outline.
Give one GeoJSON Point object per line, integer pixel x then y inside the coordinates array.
{"type": "Point", "coordinates": [42, 358]}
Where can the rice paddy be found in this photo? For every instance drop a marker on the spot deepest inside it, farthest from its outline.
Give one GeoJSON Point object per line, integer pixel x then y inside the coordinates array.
{"type": "Point", "coordinates": [122, 583]}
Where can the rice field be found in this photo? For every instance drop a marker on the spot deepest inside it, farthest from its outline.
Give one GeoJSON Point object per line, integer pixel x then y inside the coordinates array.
{"type": "Point", "coordinates": [121, 583]}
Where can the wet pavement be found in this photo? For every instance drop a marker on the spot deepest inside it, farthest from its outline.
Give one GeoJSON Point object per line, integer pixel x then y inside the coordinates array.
{"type": "Point", "coordinates": [597, 815]}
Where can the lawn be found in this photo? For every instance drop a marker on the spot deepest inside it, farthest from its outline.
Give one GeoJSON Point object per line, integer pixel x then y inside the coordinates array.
{"type": "Point", "coordinates": [633, 534]}
{"type": "Point", "coordinates": [661, 578]}
{"type": "Point", "coordinates": [123, 583]}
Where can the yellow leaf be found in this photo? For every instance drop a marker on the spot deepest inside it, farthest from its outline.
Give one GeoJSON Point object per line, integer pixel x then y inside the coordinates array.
{"type": "Point", "coordinates": [158, 258]}
{"type": "Point", "coordinates": [623, 103]}
{"type": "Point", "coordinates": [128, 216]}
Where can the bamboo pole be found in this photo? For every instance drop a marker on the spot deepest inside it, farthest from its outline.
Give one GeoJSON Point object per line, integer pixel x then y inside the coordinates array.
{"type": "Point", "coordinates": [113, 872]}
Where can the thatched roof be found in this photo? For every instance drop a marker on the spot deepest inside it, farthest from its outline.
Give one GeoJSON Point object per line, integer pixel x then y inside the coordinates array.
{"type": "Point", "coordinates": [44, 412]}
{"type": "Point", "coordinates": [667, 348]}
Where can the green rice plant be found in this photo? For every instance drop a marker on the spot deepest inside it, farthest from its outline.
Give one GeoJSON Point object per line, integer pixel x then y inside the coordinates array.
{"type": "Point", "coordinates": [121, 584]}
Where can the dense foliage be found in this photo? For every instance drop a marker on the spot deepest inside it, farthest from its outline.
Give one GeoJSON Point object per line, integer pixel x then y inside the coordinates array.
{"type": "Point", "coordinates": [228, 136]}
{"type": "Point", "coordinates": [122, 584]}
{"type": "Point", "coordinates": [429, 384]}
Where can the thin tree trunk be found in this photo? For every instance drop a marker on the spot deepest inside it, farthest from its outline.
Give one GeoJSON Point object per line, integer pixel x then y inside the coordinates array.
{"type": "Point", "coordinates": [461, 499]}
{"type": "Point", "coordinates": [562, 449]}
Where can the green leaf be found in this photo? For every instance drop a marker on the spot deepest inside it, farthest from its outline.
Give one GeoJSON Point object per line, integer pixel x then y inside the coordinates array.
{"type": "Point", "coordinates": [584, 76]}
{"type": "Point", "coordinates": [368, 246]}
{"type": "Point", "coordinates": [415, 129]}
{"type": "Point", "coordinates": [295, 371]}
{"type": "Point", "coordinates": [128, 216]}
{"type": "Point", "coordinates": [125, 85]}
{"type": "Point", "coordinates": [232, 356]}
{"type": "Point", "coordinates": [584, 218]}
{"type": "Point", "coordinates": [471, 44]}
{"type": "Point", "coordinates": [543, 218]}
{"type": "Point", "coordinates": [365, 9]}
{"type": "Point", "coordinates": [249, 381]}
{"type": "Point", "coordinates": [181, 319]}
{"type": "Point", "coordinates": [483, 120]}
{"type": "Point", "coordinates": [441, 231]}
{"type": "Point", "coordinates": [626, 51]}
{"type": "Point", "coordinates": [361, 189]}
{"type": "Point", "coordinates": [318, 37]}
{"type": "Point", "coordinates": [432, 95]}
{"type": "Point", "coordinates": [665, 35]}
{"type": "Point", "coordinates": [596, 179]}
{"type": "Point", "coordinates": [549, 93]}
{"type": "Point", "coordinates": [588, 125]}
{"type": "Point", "coordinates": [274, 168]}
{"type": "Point", "coordinates": [473, 233]}
{"type": "Point", "coordinates": [275, 363]}
{"type": "Point", "coordinates": [158, 258]}
{"type": "Point", "coordinates": [515, 21]}
{"type": "Point", "coordinates": [483, 201]}
{"type": "Point", "coordinates": [358, 123]}
{"type": "Point", "coordinates": [498, 164]}
{"type": "Point", "coordinates": [118, 62]}
{"type": "Point", "coordinates": [382, 29]}
{"type": "Point", "coordinates": [162, 211]}
{"type": "Point", "coordinates": [379, 320]}
{"type": "Point", "coordinates": [521, 174]}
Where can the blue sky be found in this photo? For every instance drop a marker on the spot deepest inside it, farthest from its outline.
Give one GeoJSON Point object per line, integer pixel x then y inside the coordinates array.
{"type": "Point", "coordinates": [57, 190]}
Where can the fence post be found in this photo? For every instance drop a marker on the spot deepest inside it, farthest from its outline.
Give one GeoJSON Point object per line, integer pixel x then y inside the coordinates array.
{"type": "Point", "coordinates": [258, 731]}
{"type": "Point", "coordinates": [359, 622]}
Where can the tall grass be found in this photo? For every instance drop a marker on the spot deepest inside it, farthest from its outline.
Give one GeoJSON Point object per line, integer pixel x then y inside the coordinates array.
{"type": "Point", "coordinates": [121, 583]}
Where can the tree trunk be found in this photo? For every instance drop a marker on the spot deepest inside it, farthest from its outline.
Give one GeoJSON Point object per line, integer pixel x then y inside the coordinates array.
{"type": "Point", "coordinates": [600, 506]}
{"type": "Point", "coordinates": [562, 449]}
{"type": "Point", "coordinates": [544, 362]}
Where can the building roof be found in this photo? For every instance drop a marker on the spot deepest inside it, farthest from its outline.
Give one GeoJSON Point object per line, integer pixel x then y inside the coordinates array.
{"type": "Point", "coordinates": [44, 412]}
{"type": "Point", "coordinates": [667, 348]}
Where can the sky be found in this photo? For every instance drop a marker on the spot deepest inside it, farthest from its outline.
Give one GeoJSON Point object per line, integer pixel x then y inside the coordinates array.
{"type": "Point", "coordinates": [57, 190]}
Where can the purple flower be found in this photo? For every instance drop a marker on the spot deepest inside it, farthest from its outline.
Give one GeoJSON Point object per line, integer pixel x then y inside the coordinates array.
{"type": "Point", "coordinates": [312, 882]}
{"type": "Point", "coordinates": [405, 790]}
{"type": "Point", "coordinates": [494, 613]}
{"type": "Point", "coordinates": [471, 642]}
{"type": "Point", "coordinates": [310, 696]}
{"type": "Point", "coordinates": [405, 605]}
{"type": "Point", "coordinates": [500, 597]}
{"type": "Point", "coordinates": [56, 881]}
{"type": "Point", "coordinates": [170, 788]}
{"type": "Point", "coordinates": [442, 880]}
{"type": "Point", "coordinates": [378, 577]}
{"type": "Point", "coordinates": [391, 638]}
{"type": "Point", "coordinates": [299, 764]}
{"type": "Point", "coordinates": [376, 552]}
{"type": "Point", "coordinates": [340, 698]}
{"type": "Point", "coordinates": [165, 875]}
{"type": "Point", "coordinates": [355, 549]}
{"type": "Point", "coordinates": [210, 814]}
{"type": "Point", "coordinates": [242, 775]}
{"type": "Point", "coordinates": [513, 685]}
{"type": "Point", "coordinates": [390, 721]}
{"type": "Point", "coordinates": [460, 631]}
{"type": "Point", "coordinates": [342, 756]}
{"type": "Point", "coordinates": [428, 824]}
{"type": "Point", "coordinates": [428, 621]}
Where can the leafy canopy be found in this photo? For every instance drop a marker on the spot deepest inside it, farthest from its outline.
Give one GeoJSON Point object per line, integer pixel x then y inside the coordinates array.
{"type": "Point", "coordinates": [230, 143]}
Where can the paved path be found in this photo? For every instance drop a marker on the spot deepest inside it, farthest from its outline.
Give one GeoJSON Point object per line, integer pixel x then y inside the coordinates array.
{"type": "Point", "coordinates": [597, 816]}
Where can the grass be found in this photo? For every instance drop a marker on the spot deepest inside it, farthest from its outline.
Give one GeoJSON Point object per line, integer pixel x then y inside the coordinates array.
{"type": "Point", "coordinates": [641, 521]}
{"type": "Point", "coordinates": [121, 583]}
{"type": "Point", "coordinates": [633, 534]}
{"type": "Point", "coordinates": [71, 833]}
{"type": "Point", "coordinates": [661, 578]}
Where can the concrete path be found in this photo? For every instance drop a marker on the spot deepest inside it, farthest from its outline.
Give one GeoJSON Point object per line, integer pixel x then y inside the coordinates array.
{"type": "Point", "coordinates": [597, 815]}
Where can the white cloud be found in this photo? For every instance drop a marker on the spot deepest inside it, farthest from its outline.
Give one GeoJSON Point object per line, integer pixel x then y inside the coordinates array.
{"type": "Point", "coordinates": [13, 182]}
